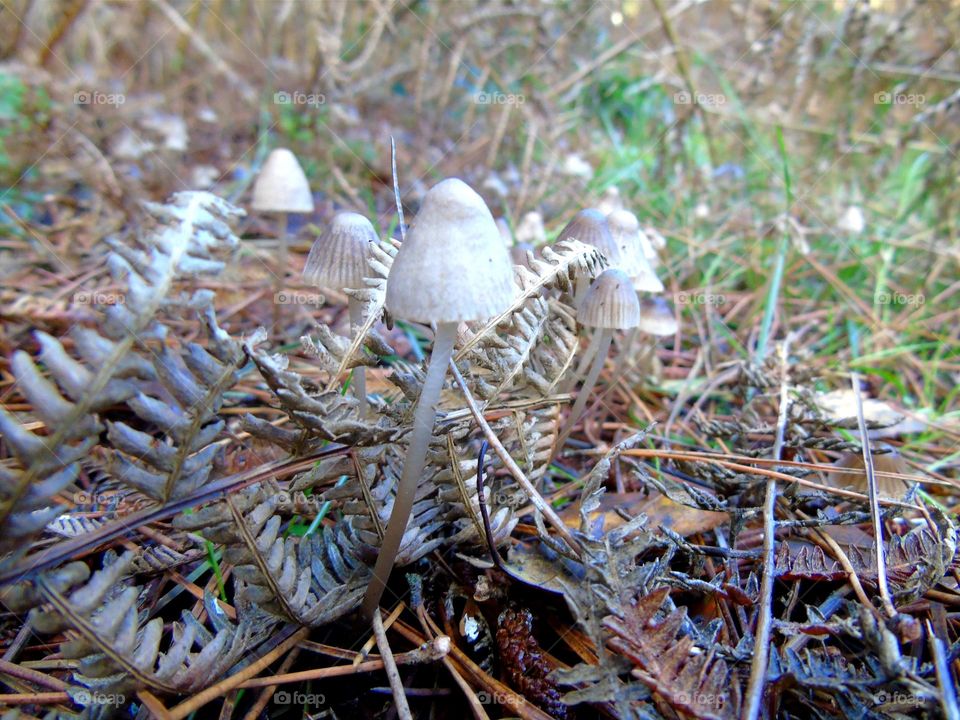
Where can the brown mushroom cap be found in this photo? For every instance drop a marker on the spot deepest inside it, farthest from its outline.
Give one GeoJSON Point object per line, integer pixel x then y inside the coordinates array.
{"type": "Point", "coordinates": [626, 233]}
{"type": "Point", "coordinates": [610, 302]}
{"type": "Point", "coordinates": [281, 185]}
{"type": "Point", "coordinates": [338, 258]}
{"type": "Point", "coordinates": [453, 266]}
{"type": "Point", "coordinates": [657, 318]}
{"type": "Point", "coordinates": [590, 226]}
{"type": "Point", "coordinates": [856, 477]}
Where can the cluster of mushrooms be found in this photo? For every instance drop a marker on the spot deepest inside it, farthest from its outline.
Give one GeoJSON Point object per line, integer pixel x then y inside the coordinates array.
{"type": "Point", "coordinates": [454, 267]}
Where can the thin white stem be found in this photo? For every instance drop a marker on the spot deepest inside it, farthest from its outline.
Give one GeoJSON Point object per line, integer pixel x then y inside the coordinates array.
{"type": "Point", "coordinates": [584, 363]}
{"type": "Point", "coordinates": [423, 421]}
{"type": "Point", "coordinates": [606, 337]}
{"type": "Point", "coordinates": [359, 384]}
{"type": "Point", "coordinates": [280, 275]}
{"type": "Point", "coordinates": [581, 286]}
{"type": "Point", "coordinates": [626, 352]}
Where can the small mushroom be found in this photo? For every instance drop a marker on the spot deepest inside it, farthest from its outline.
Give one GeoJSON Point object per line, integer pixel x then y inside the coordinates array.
{"type": "Point", "coordinates": [590, 226]}
{"type": "Point", "coordinates": [887, 467]}
{"type": "Point", "coordinates": [338, 261]}
{"type": "Point", "coordinates": [657, 320]}
{"type": "Point", "coordinates": [626, 233]}
{"type": "Point", "coordinates": [609, 304]}
{"type": "Point", "coordinates": [281, 187]}
{"type": "Point", "coordinates": [453, 267]}
{"type": "Point", "coordinates": [657, 317]}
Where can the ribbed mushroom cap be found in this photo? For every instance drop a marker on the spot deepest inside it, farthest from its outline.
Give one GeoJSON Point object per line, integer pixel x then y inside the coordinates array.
{"type": "Point", "coordinates": [610, 302]}
{"type": "Point", "coordinates": [338, 258]}
{"type": "Point", "coordinates": [656, 317]}
{"type": "Point", "coordinates": [281, 185]}
{"type": "Point", "coordinates": [590, 226]}
{"type": "Point", "coordinates": [625, 230]}
{"type": "Point", "coordinates": [453, 266]}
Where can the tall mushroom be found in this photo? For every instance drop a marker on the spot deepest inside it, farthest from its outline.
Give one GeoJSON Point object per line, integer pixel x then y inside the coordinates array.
{"type": "Point", "coordinates": [453, 267]}
{"type": "Point", "coordinates": [281, 187]}
{"type": "Point", "coordinates": [609, 304]}
{"type": "Point", "coordinates": [338, 261]}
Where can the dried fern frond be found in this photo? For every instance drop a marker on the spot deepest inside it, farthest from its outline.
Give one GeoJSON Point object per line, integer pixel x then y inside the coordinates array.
{"type": "Point", "coordinates": [186, 414]}
{"type": "Point", "coordinates": [186, 236]}
{"type": "Point", "coordinates": [309, 580]}
{"type": "Point", "coordinates": [116, 653]}
{"type": "Point", "coordinates": [328, 415]}
{"type": "Point", "coordinates": [561, 266]}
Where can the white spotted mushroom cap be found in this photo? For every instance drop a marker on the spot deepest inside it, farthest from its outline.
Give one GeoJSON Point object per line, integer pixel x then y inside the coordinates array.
{"type": "Point", "coordinates": [281, 185]}
{"type": "Point", "coordinates": [338, 258]}
{"type": "Point", "coordinates": [610, 302]}
{"type": "Point", "coordinates": [453, 266]}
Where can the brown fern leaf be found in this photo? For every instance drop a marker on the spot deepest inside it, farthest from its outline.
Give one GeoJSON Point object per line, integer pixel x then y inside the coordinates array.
{"type": "Point", "coordinates": [685, 678]}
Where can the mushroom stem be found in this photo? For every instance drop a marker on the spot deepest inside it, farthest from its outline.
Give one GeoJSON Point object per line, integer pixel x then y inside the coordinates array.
{"type": "Point", "coordinates": [580, 289]}
{"type": "Point", "coordinates": [584, 363]}
{"type": "Point", "coordinates": [423, 421]}
{"type": "Point", "coordinates": [359, 385]}
{"type": "Point", "coordinates": [606, 337]}
{"type": "Point", "coordinates": [280, 276]}
{"type": "Point", "coordinates": [626, 352]}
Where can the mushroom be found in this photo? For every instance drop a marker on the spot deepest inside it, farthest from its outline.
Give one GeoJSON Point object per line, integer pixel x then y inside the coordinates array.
{"type": "Point", "coordinates": [590, 226]}
{"type": "Point", "coordinates": [453, 267]}
{"type": "Point", "coordinates": [281, 187]}
{"type": "Point", "coordinates": [656, 319]}
{"type": "Point", "coordinates": [338, 261]}
{"type": "Point", "coordinates": [625, 234]}
{"type": "Point", "coordinates": [609, 304]}
{"type": "Point", "coordinates": [633, 244]}
{"type": "Point", "coordinates": [887, 466]}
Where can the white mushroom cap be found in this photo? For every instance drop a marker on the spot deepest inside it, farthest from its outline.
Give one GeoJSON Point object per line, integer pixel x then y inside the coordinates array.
{"type": "Point", "coordinates": [610, 302]}
{"type": "Point", "coordinates": [338, 258]}
{"type": "Point", "coordinates": [281, 185]}
{"type": "Point", "coordinates": [657, 318]}
{"type": "Point", "coordinates": [625, 229]}
{"type": "Point", "coordinates": [590, 226]}
{"type": "Point", "coordinates": [453, 266]}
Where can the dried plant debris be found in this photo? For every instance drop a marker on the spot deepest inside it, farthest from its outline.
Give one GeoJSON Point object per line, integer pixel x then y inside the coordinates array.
{"type": "Point", "coordinates": [136, 419]}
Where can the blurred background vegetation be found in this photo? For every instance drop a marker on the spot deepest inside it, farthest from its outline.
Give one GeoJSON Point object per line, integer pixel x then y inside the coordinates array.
{"type": "Point", "coordinates": [800, 157]}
